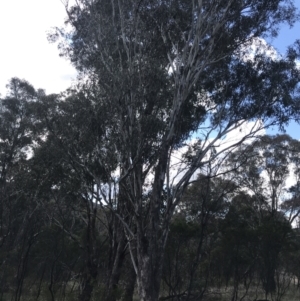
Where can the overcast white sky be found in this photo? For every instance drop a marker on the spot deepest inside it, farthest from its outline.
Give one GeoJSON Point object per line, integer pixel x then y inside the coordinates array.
{"type": "Point", "coordinates": [25, 51]}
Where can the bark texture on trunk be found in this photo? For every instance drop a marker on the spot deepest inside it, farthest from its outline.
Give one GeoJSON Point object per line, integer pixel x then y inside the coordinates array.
{"type": "Point", "coordinates": [150, 239]}
{"type": "Point", "coordinates": [115, 273]}
{"type": "Point", "coordinates": [130, 284]}
{"type": "Point", "coordinates": [118, 247]}
{"type": "Point", "coordinates": [149, 258]}
{"type": "Point", "coordinates": [148, 279]}
{"type": "Point", "coordinates": [86, 293]}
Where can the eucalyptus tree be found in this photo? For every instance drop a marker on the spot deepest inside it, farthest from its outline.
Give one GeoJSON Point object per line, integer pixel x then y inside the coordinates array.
{"type": "Point", "coordinates": [253, 242]}
{"type": "Point", "coordinates": [71, 133]}
{"type": "Point", "coordinates": [42, 199]}
{"type": "Point", "coordinates": [193, 238]}
{"type": "Point", "coordinates": [264, 169]}
{"type": "Point", "coordinates": [157, 71]}
{"type": "Point", "coordinates": [19, 225]}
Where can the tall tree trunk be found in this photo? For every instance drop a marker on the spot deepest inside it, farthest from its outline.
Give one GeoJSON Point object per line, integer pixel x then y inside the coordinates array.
{"type": "Point", "coordinates": [115, 273]}
{"type": "Point", "coordinates": [90, 273]}
{"type": "Point", "coordinates": [86, 293]}
{"type": "Point", "coordinates": [129, 288]}
{"type": "Point", "coordinates": [149, 275]}
{"type": "Point", "coordinates": [149, 258]}
{"type": "Point", "coordinates": [151, 239]}
{"type": "Point", "coordinates": [118, 247]}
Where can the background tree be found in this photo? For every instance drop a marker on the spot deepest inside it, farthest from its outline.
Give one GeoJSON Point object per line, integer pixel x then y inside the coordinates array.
{"type": "Point", "coordinates": [262, 168]}
{"type": "Point", "coordinates": [193, 234]}
{"type": "Point", "coordinates": [21, 214]}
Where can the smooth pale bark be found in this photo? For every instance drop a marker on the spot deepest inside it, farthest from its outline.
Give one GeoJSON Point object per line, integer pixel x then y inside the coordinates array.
{"type": "Point", "coordinates": [151, 242]}
{"type": "Point", "coordinates": [149, 273]}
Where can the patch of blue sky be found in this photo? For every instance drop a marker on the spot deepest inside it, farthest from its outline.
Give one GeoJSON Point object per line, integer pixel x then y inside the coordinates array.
{"type": "Point", "coordinates": [286, 37]}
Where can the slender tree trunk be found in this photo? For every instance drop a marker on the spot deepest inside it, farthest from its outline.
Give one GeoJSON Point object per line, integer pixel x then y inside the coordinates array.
{"type": "Point", "coordinates": [148, 279]}
{"type": "Point", "coordinates": [149, 258]}
{"type": "Point", "coordinates": [129, 288]}
{"type": "Point", "coordinates": [118, 247]}
{"type": "Point", "coordinates": [23, 264]}
{"type": "Point", "coordinates": [91, 269]}
{"type": "Point", "coordinates": [115, 271]}
{"type": "Point", "coordinates": [151, 241]}
{"type": "Point", "coordinates": [86, 293]}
